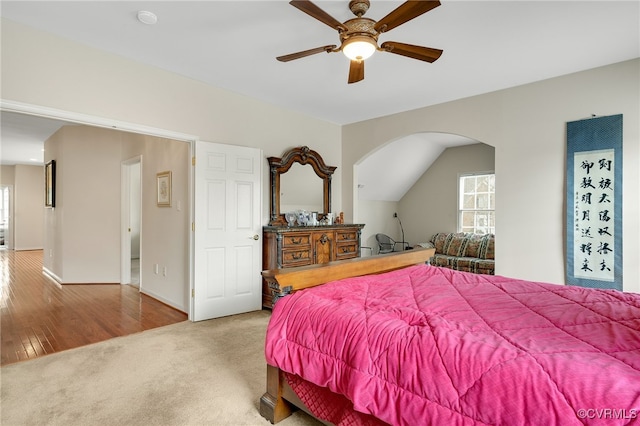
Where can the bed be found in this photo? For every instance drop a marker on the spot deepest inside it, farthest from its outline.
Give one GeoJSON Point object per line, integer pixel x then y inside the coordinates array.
{"type": "Point", "coordinates": [391, 340]}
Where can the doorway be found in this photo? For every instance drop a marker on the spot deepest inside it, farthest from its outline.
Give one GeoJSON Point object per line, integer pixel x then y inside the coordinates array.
{"type": "Point", "coordinates": [131, 171]}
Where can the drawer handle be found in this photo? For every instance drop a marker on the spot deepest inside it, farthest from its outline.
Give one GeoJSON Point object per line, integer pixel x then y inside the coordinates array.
{"type": "Point", "coordinates": [296, 256]}
{"type": "Point", "coordinates": [346, 250]}
{"type": "Point", "coordinates": [294, 241]}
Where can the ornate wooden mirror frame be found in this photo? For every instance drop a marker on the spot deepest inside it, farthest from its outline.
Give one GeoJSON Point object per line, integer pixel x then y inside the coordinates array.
{"type": "Point", "coordinates": [302, 155]}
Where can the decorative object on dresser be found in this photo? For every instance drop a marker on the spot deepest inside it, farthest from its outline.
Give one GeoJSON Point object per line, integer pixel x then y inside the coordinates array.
{"type": "Point", "coordinates": [292, 240]}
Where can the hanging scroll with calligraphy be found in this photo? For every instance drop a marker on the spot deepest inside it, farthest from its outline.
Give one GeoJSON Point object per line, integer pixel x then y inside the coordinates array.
{"type": "Point", "coordinates": [594, 202]}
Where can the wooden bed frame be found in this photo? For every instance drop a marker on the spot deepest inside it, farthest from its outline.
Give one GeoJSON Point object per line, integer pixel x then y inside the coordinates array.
{"type": "Point", "coordinates": [279, 401]}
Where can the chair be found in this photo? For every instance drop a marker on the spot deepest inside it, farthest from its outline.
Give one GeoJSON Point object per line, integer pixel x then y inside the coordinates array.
{"type": "Point", "coordinates": [386, 244]}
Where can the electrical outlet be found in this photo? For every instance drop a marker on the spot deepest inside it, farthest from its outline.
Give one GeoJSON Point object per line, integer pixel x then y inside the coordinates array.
{"type": "Point", "coordinates": [164, 271]}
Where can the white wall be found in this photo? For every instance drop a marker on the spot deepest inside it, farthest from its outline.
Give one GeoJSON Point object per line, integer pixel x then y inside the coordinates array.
{"type": "Point", "coordinates": [527, 127]}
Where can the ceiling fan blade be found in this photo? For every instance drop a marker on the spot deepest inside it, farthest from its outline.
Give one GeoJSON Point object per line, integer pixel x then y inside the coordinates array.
{"type": "Point", "coordinates": [315, 12]}
{"type": "Point", "coordinates": [356, 71]}
{"type": "Point", "coordinates": [427, 54]}
{"type": "Point", "coordinates": [298, 55]}
{"type": "Point", "coordinates": [403, 13]}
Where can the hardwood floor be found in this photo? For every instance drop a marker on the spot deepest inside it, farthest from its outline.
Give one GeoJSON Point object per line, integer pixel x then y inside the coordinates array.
{"type": "Point", "coordinates": [40, 317]}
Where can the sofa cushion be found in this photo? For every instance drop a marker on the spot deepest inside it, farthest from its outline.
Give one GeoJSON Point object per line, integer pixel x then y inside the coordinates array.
{"type": "Point", "coordinates": [438, 241]}
{"type": "Point", "coordinates": [474, 242]}
{"type": "Point", "coordinates": [465, 264]}
{"type": "Point", "coordinates": [455, 244]}
{"type": "Point", "coordinates": [487, 248]}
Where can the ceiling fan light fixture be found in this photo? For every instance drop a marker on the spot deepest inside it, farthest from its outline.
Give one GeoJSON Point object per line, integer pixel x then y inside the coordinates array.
{"type": "Point", "coordinates": [359, 48]}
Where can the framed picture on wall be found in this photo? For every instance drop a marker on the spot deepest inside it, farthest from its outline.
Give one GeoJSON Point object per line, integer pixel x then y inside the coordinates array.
{"type": "Point", "coordinates": [164, 189]}
{"type": "Point", "coordinates": [50, 184]}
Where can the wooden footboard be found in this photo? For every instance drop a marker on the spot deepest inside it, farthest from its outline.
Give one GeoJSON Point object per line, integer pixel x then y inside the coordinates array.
{"type": "Point", "coordinates": [285, 281]}
{"type": "Point", "coordinates": [279, 401]}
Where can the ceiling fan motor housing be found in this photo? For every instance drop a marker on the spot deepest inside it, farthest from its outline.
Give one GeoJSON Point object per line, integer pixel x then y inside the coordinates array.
{"type": "Point", "coordinates": [362, 27]}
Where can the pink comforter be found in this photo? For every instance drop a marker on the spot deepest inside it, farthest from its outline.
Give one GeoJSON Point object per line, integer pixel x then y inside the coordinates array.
{"type": "Point", "coordinates": [427, 345]}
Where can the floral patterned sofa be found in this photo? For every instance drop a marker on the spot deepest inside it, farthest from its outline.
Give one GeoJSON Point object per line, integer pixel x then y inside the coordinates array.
{"type": "Point", "coordinates": [464, 252]}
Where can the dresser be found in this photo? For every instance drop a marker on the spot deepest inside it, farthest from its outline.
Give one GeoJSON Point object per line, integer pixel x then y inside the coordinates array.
{"type": "Point", "coordinates": [286, 247]}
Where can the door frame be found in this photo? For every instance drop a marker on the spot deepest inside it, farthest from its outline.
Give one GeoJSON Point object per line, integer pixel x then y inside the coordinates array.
{"type": "Point", "coordinates": [95, 121]}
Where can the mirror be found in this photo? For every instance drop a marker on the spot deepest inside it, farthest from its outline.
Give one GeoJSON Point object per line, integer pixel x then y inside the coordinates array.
{"type": "Point", "coordinates": [294, 191]}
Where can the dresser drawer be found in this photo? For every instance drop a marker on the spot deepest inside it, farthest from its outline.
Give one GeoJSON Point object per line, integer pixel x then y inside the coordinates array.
{"type": "Point", "coordinates": [346, 250]}
{"type": "Point", "coordinates": [288, 247]}
{"type": "Point", "coordinates": [294, 257]}
{"type": "Point", "coordinates": [346, 235]}
{"type": "Point", "coordinates": [296, 240]}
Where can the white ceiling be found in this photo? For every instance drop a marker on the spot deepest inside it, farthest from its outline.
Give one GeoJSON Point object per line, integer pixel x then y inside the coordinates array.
{"type": "Point", "coordinates": [488, 45]}
{"type": "Point", "coordinates": [22, 138]}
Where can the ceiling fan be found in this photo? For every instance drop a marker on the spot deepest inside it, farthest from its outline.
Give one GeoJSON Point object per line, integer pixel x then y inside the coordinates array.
{"type": "Point", "coordinates": [359, 36]}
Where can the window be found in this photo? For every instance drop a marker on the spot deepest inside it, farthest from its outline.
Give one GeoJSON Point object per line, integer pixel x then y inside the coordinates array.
{"type": "Point", "coordinates": [476, 205]}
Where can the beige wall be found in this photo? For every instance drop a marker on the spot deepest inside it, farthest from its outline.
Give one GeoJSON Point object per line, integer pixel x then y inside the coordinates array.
{"type": "Point", "coordinates": [525, 124]}
{"type": "Point", "coordinates": [7, 175]}
{"type": "Point", "coordinates": [82, 243]}
{"type": "Point", "coordinates": [527, 127]}
{"type": "Point", "coordinates": [431, 205]}
{"type": "Point", "coordinates": [377, 217]}
{"type": "Point", "coordinates": [28, 205]}
{"type": "Point", "coordinates": [84, 225]}
{"type": "Point", "coordinates": [50, 72]}
{"type": "Point", "coordinates": [45, 70]}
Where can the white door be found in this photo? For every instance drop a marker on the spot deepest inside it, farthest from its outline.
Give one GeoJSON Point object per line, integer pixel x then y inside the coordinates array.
{"type": "Point", "coordinates": [227, 239]}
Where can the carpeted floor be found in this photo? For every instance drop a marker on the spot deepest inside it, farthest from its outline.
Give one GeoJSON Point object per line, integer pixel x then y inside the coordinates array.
{"type": "Point", "coordinates": [206, 373]}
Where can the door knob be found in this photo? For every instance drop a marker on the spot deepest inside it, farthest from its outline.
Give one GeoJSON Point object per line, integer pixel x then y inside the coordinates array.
{"type": "Point", "coordinates": [256, 237]}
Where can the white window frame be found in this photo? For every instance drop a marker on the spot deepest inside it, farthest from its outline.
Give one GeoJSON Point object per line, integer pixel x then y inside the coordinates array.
{"type": "Point", "coordinates": [477, 228]}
